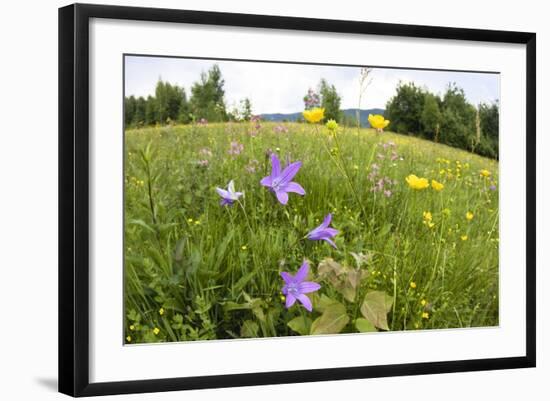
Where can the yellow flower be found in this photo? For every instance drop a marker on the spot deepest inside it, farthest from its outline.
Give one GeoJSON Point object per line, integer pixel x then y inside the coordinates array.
{"type": "Point", "coordinates": [189, 220]}
{"type": "Point", "coordinates": [128, 339]}
{"type": "Point", "coordinates": [417, 183]}
{"type": "Point", "coordinates": [425, 315]}
{"type": "Point", "coordinates": [377, 121]}
{"type": "Point", "coordinates": [423, 302]}
{"type": "Point", "coordinates": [437, 185]}
{"type": "Point", "coordinates": [485, 173]}
{"type": "Point", "coordinates": [464, 237]}
{"type": "Point", "coordinates": [132, 327]}
{"type": "Point", "coordinates": [161, 311]}
{"type": "Point", "coordinates": [413, 285]}
{"type": "Point", "coordinates": [156, 330]}
{"type": "Point", "coordinates": [427, 216]}
{"type": "Point", "coordinates": [283, 298]}
{"type": "Point", "coordinates": [469, 216]}
{"type": "Point", "coordinates": [243, 247]}
{"type": "Point", "coordinates": [314, 115]}
{"type": "Point", "coordinates": [332, 125]}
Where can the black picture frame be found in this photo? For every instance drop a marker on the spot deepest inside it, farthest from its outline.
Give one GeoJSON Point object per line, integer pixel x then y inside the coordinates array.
{"type": "Point", "coordinates": [74, 198]}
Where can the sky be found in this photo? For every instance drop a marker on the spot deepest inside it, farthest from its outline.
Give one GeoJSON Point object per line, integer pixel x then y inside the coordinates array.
{"type": "Point", "coordinates": [280, 88]}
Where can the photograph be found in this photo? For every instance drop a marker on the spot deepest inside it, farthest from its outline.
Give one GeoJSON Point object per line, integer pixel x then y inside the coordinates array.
{"type": "Point", "coordinates": [277, 199]}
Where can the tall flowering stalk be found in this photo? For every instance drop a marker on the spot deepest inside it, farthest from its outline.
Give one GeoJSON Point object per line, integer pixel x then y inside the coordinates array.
{"type": "Point", "coordinates": [332, 126]}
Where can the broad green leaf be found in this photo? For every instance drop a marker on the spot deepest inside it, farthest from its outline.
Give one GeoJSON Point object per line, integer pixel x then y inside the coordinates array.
{"type": "Point", "coordinates": [375, 308]}
{"type": "Point", "coordinates": [332, 321]}
{"type": "Point", "coordinates": [322, 302]}
{"type": "Point", "coordinates": [364, 326]}
{"type": "Point", "coordinates": [300, 325]}
{"type": "Point", "coordinates": [143, 224]}
{"type": "Point", "coordinates": [178, 254]}
{"type": "Point", "coordinates": [348, 291]}
{"type": "Point", "coordinates": [249, 329]}
{"type": "Point", "coordinates": [385, 230]}
{"type": "Point", "coordinates": [329, 267]}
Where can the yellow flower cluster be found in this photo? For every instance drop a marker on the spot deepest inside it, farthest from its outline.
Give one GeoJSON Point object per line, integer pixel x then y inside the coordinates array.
{"type": "Point", "coordinates": [416, 182]}
{"type": "Point", "coordinates": [437, 186]}
{"type": "Point", "coordinates": [427, 217]}
{"type": "Point", "coordinates": [137, 182]}
{"type": "Point", "coordinates": [485, 173]}
{"type": "Point", "coordinates": [314, 115]}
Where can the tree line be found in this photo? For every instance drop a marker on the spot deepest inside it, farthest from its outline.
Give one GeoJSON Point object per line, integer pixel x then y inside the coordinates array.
{"type": "Point", "coordinates": [171, 104]}
{"type": "Point", "coordinates": [447, 119]}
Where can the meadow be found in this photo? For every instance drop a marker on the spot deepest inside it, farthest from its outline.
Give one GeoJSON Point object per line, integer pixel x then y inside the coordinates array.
{"type": "Point", "coordinates": [409, 253]}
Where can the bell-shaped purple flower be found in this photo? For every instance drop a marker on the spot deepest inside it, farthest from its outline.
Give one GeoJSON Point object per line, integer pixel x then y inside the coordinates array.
{"type": "Point", "coordinates": [229, 196]}
{"type": "Point", "coordinates": [296, 287]}
{"type": "Point", "coordinates": [280, 182]}
{"type": "Point", "coordinates": [324, 232]}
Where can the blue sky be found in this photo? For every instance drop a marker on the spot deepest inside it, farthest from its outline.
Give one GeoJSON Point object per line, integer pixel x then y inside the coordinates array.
{"type": "Point", "coordinates": [275, 87]}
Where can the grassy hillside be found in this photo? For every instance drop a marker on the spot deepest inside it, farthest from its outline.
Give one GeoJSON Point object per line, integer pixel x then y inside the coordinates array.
{"type": "Point", "coordinates": [406, 259]}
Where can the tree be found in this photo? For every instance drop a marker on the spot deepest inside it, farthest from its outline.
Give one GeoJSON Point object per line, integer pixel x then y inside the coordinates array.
{"type": "Point", "coordinates": [330, 101]}
{"type": "Point", "coordinates": [246, 109]}
{"type": "Point", "coordinates": [129, 110]}
{"type": "Point", "coordinates": [184, 111]}
{"type": "Point", "coordinates": [458, 123]}
{"type": "Point", "coordinates": [431, 117]}
{"type": "Point", "coordinates": [404, 110]}
{"type": "Point", "coordinates": [139, 115]}
{"type": "Point", "coordinates": [489, 125]}
{"type": "Point", "coordinates": [151, 111]}
{"type": "Point", "coordinates": [207, 96]}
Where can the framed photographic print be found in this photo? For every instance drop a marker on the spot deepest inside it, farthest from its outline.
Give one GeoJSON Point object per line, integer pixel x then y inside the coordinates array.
{"type": "Point", "coordinates": [250, 199]}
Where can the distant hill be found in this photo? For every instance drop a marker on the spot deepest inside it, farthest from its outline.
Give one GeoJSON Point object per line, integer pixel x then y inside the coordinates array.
{"type": "Point", "coordinates": [363, 115]}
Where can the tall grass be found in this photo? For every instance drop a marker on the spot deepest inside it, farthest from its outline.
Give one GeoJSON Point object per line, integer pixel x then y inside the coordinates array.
{"type": "Point", "coordinates": [195, 270]}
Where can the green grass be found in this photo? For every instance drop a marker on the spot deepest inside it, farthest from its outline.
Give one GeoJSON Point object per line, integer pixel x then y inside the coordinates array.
{"type": "Point", "coordinates": [195, 270]}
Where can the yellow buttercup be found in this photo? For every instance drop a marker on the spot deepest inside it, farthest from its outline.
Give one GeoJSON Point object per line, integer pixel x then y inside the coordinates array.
{"type": "Point", "coordinates": [314, 115]}
{"type": "Point", "coordinates": [437, 186]}
{"type": "Point", "coordinates": [377, 121]}
{"type": "Point", "coordinates": [416, 182]}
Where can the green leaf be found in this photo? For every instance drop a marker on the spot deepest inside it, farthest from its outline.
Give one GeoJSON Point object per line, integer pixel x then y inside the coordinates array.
{"type": "Point", "coordinates": [364, 326]}
{"type": "Point", "coordinates": [249, 329]}
{"type": "Point", "coordinates": [385, 230]}
{"type": "Point", "coordinates": [178, 253]}
{"type": "Point", "coordinates": [332, 321]}
{"type": "Point", "coordinates": [375, 308]}
{"type": "Point", "coordinates": [300, 325]}
{"type": "Point", "coordinates": [239, 285]}
{"type": "Point", "coordinates": [143, 224]}
{"type": "Point", "coordinates": [322, 302]}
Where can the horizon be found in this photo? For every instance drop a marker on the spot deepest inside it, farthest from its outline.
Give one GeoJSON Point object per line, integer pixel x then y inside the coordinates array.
{"type": "Point", "coordinates": [279, 88]}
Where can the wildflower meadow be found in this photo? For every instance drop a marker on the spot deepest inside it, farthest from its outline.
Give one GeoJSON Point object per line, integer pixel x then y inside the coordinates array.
{"type": "Point", "coordinates": [245, 229]}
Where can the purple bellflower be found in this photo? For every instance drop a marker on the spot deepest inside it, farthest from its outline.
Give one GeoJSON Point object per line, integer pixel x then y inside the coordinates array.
{"type": "Point", "coordinates": [324, 232]}
{"type": "Point", "coordinates": [279, 182]}
{"type": "Point", "coordinates": [296, 287]}
{"type": "Point", "coordinates": [229, 196]}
